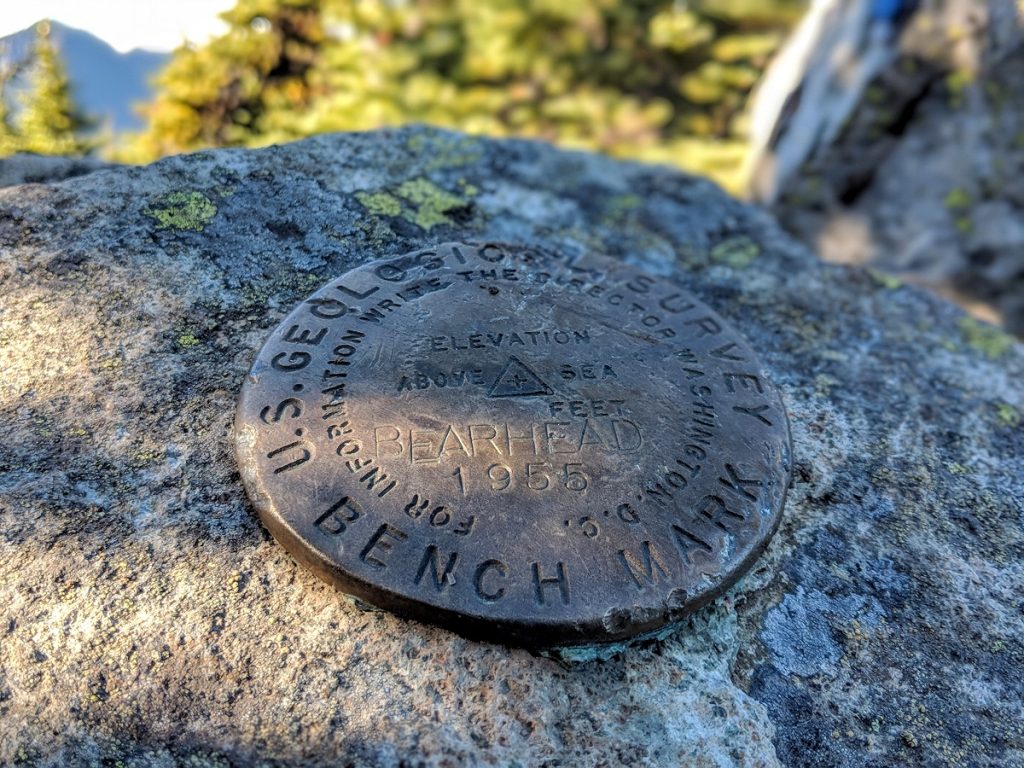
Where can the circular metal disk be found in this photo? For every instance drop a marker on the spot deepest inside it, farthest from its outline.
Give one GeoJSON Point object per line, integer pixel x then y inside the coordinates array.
{"type": "Point", "coordinates": [518, 446]}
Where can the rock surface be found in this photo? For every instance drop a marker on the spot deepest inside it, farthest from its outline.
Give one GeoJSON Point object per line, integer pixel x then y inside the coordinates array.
{"type": "Point", "coordinates": [147, 618]}
{"type": "Point", "coordinates": [40, 169]}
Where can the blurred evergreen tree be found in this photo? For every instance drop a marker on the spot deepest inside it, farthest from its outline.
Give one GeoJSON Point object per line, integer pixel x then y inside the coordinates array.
{"type": "Point", "coordinates": [49, 122]}
{"type": "Point", "coordinates": [245, 87]}
{"type": "Point", "coordinates": [659, 80]}
{"type": "Point", "coordinates": [8, 136]}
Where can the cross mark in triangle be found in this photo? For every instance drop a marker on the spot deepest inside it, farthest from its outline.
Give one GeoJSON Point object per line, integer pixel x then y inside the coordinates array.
{"type": "Point", "coordinates": [517, 380]}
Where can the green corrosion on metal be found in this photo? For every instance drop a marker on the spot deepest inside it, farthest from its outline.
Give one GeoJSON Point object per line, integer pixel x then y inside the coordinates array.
{"type": "Point", "coordinates": [582, 654]}
{"type": "Point", "coordinates": [419, 201]}
{"type": "Point", "coordinates": [985, 338]}
{"type": "Point", "coordinates": [183, 210]}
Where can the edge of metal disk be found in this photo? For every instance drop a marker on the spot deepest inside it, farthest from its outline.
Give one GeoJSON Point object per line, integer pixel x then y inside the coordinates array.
{"type": "Point", "coordinates": [531, 634]}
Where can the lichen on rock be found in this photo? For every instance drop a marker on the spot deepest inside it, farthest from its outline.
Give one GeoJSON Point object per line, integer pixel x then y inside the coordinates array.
{"type": "Point", "coordinates": [146, 617]}
{"type": "Point", "coordinates": [182, 210]}
{"type": "Point", "coordinates": [417, 200]}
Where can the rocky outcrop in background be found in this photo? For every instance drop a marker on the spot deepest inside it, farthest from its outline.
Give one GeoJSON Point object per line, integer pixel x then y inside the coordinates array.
{"type": "Point", "coordinates": [146, 618]}
{"type": "Point", "coordinates": [926, 180]}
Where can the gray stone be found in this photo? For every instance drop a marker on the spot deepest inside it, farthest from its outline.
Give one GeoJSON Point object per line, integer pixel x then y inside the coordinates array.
{"type": "Point", "coordinates": [147, 617]}
{"type": "Point", "coordinates": [927, 180]}
{"type": "Point", "coordinates": [41, 169]}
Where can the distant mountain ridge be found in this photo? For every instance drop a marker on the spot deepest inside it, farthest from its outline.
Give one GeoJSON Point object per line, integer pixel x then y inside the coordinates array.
{"type": "Point", "coordinates": [107, 84]}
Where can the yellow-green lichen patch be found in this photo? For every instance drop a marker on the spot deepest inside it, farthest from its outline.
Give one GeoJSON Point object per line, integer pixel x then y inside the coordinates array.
{"type": "Point", "coordinates": [1008, 415]}
{"type": "Point", "coordinates": [237, 581]}
{"type": "Point", "coordinates": [287, 286]}
{"type": "Point", "coordinates": [183, 210]}
{"type": "Point", "coordinates": [380, 203]}
{"type": "Point", "coordinates": [823, 384]}
{"type": "Point", "coordinates": [621, 207]}
{"type": "Point", "coordinates": [442, 151]}
{"type": "Point", "coordinates": [959, 202]}
{"type": "Point", "coordinates": [145, 456]}
{"type": "Point", "coordinates": [188, 340]}
{"type": "Point", "coordinates": [430, 201]}
{"type": "Point", "coordinates": [419, 200]}
{"type": "Point", "coordinates": [957, 83]}
{"type": "Point", "coordinates": [689, 256]}
{"type": "Point", "coordinates": [985, 338]}
{"type": "Point", "coordinates": [957, 199]}
{"type": "Point", "coordinates": [891, 282]}
{"type": "Point", "coordinates": [112, 363]}
{"type": "Point", "coordinates": [736, 252]}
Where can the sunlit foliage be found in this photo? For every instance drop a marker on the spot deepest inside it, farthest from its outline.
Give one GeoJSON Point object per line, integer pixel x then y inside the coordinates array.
{"type": "Point", "coordinates": [663, 81]}
{"type": "Point", "coordinates": [48, 122]}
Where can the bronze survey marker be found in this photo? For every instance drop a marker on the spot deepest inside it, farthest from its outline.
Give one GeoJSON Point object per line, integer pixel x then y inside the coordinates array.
{"type": "Point", "coordinates": [516, 445]}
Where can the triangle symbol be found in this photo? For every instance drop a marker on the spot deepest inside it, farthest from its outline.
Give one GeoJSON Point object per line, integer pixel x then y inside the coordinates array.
{"type": "Point", "coordinates": [517, 380]}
